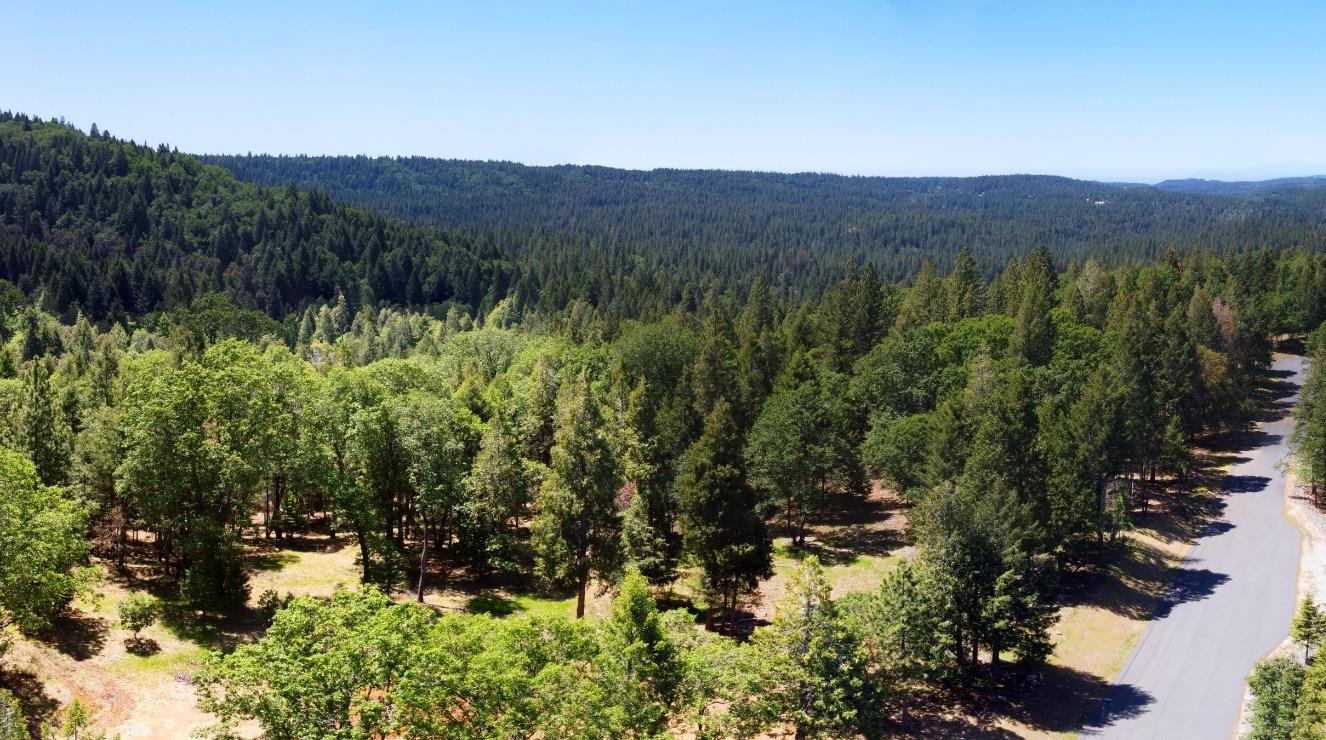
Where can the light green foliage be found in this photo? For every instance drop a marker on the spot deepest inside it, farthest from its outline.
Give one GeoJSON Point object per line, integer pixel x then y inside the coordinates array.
{"type": "Point", "coordinates": [138, 611]}
{"type": "Point", "coordinates": [1309, 626]}
{"type": "Point", "coordinates": [359, 666]}
{"type": "Point", "coordinates": [1310, 714]}
{"type": "Point", "coordinates": [814, 672]}
{"type": "Point", "coordinates": [13, 725]}
{"type": "Point", "coordinates": [75, 724]}
{"type": "Point", "coordinates": [319, 671]}
{"type": "Point", "coordinates": [638, 659]}
{"type": "Point", "coordinates": [901, 628]}
{"type": "Point", "coordinates": [438, 439]}
{"type": "Point", "coordinates": [41, 542]}
{"type": "Point", "coordinates": [196, 436]}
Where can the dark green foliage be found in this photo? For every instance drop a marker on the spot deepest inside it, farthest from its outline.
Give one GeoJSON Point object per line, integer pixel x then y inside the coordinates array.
{"type": "Point", "coordinates": [669, 229]}
{"type": "Point", "coordinates": [1275, 686]}
{"type": "Point", "coordinates": [720, 528]}
{"type": "Point", "coordinates": [577, 530]}
{"type": "Point", "coordinates": [800, 450]}
{"type": "Point", "coordinates": [119, 230]}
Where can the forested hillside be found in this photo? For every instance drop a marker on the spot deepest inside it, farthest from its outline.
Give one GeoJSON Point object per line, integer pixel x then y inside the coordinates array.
{"type": "Point", "coordinates": [195, 371]}
{"type": "Point", "coordinates": [100, 225]}
{"type": "Point", "coordinates": [734, 223]}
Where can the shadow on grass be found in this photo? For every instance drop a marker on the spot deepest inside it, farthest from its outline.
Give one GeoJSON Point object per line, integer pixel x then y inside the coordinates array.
{"type": "Point", "coordinates": [1128, 584]}
{"type": "Point", "coordinates": [37, 706]}
{"type": "Point", "coordinates": [495, 604]}
{"type": "Point", "coordinates": [76, 634]}
{"type": "Point", "coordinates": [141, 646]}
{"type": "Point", "coordinates": [500, 604]}
{"type": "Point", "coordinates": [1059, 699]}
{"type": "Point", "coordinates": [211, 629]}
{"type": "Point", "coordinates": [271, 561]}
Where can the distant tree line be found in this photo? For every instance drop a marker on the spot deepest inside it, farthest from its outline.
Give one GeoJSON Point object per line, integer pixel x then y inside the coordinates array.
{"type": "Point", "coordinates": [795, 229]}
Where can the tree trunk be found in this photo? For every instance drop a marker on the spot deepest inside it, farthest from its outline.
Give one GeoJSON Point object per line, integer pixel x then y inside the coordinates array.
{"type": "Point", "coordinates": [580, 598]}
{"type": "Point", "coordinates": [362, 535]}
{"type": "Point", "coordinates": [423, 559]}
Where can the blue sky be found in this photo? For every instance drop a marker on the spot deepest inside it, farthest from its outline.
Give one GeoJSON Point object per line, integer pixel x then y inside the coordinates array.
{"type": "Point", "coordinates": [1110, 90]}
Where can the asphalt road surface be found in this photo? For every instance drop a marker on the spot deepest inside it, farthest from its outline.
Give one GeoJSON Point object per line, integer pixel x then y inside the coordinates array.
{"type": "Point", "coordinates": [1229, 605]}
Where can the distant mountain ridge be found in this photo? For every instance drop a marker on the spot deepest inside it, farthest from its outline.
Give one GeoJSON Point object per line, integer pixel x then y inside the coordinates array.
{"type": "Point", "coordinates": [1239, 187]}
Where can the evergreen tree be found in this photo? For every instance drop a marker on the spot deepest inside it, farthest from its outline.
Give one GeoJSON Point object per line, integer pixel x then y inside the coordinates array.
{"type": "Point", "coordinates": [649, 533]}
{"type": "Point", "coordinates": [1309, 626]}
{"type": "Point", "coordinates": [814, 674]}
{"type": "Point", "coordinates": [714, 375]}
{"type": "Point", "coordinates": [577, 529]}
{"type": "Point", "coordinates": [498, 486]}
{"type": "Point", "coordinates": [639, 661]}
{"type": "Point", "coordinates": [13, 725]}
{"type": "Point", "coordinates": [1310, 714]}
{"type": "Point", "coordinates": [966, 294]}
{"type": "Point", "coordinates": [924, 302]}
{"type": "Point", "coordinates": [1033, 335]}
{"type": "Point", "coordinates": [1275, 686]}
{"type": "Point", "coordinates": [720, 528]}
{"type": "Point", "coordinates": [41, 434]}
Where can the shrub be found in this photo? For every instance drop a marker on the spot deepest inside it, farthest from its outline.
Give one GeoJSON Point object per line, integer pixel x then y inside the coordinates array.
{"type": "Point", "coordinates": [138, 611]}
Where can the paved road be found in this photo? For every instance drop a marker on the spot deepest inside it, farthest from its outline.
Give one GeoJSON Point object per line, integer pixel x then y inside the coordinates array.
{"type": "Point", "coordinates": [1229, 606]}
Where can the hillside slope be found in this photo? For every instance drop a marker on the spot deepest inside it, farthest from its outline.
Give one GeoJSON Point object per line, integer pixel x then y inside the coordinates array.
{"type": "Point", "coordinates": [755, 219]}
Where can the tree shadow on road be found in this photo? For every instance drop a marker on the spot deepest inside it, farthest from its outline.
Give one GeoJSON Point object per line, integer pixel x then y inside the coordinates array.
{"type": "Point", "coordinates": [1189, 584]}
{"type": "Point", "coordinates": [1119, 702]}
{"type": "Point", "coordinates": [1245, 483]}
{"type": "Point", "coordinates": [1066, 700]}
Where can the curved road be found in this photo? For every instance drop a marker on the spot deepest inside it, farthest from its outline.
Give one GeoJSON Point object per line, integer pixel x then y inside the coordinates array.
{"type": "Point", "coordinates": [1228, 606]}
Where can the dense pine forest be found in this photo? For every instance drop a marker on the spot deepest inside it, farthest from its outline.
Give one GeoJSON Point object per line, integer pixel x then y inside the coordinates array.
{"type": "Point", "coordinates": [488, 378]}
{"type": "Point", "coordinates": [734, 224]}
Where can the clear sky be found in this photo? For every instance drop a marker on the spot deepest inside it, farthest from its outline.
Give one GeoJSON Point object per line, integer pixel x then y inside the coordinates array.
{"type": "Point", "coordinates": [1107, 89]}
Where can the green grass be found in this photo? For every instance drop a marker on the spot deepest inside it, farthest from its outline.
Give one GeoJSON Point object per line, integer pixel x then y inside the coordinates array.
{"type": "Point", "coordinates": [500, 605]}
{"type": "Point", "coordinates": [857, 573]}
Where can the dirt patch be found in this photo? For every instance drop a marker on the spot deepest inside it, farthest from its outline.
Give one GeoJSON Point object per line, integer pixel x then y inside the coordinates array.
{"type": "Point", "coordinates": [859, 542]}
